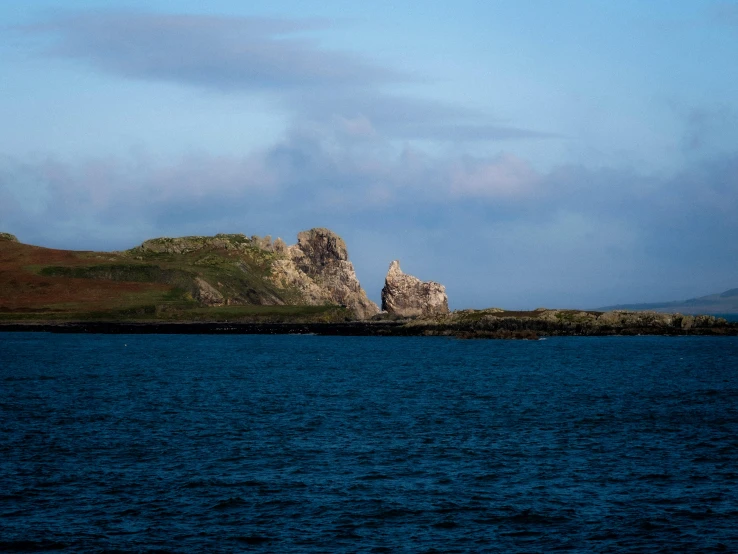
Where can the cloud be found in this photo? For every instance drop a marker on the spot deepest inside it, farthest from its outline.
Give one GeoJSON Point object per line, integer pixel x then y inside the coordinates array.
{"type": "Point", "coordinates": [405, 117]}
{"type": "Point", "coordinates": [225, 53]}
{"type": "Point", "coordinates": [358, 127]}
{"type": "Point", "coordinates": [248, 55]}
{"type": "Point", "coordinates": [506, 176]}
{"type": "Point", "coordinates": [494, 230]}
{"type": "Point", "coordinates": [492, 227]}
{"type": "Point", "coordinates": [88, 202]}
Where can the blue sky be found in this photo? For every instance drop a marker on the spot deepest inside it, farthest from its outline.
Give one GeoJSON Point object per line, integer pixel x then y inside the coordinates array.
{"type": "Point", "coordinates": [566, 154]}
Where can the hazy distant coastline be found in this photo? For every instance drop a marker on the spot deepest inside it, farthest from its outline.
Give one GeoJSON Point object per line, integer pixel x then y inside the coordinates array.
{"type": "Point", "coordinates": [719, 304]}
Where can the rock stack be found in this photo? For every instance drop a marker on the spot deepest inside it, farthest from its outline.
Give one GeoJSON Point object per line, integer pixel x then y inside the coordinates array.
{"type": "Point", "coordinates": [407, 296]}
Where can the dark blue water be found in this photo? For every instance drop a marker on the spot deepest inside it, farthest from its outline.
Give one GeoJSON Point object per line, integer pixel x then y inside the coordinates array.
{"type": "Point", "coordinates": [325, 444]}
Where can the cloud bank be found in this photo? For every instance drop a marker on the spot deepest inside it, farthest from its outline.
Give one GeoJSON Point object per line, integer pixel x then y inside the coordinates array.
{"type": "Point", "coordinates": [276, 57]}
{"type": "Point", "coordinates": [226, 53]}
{"type": "Point", "coordinates": [501, 231]}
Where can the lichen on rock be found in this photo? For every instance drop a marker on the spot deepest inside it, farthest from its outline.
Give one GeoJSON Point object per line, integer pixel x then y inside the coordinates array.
{"type": "Point", "coordinates": [408, 296]}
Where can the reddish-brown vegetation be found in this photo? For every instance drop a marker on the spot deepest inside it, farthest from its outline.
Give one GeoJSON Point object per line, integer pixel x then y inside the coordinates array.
{"type": "Point", "coordinates": [23, 290]}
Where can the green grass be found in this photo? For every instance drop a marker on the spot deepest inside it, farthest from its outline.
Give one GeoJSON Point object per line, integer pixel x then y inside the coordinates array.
{"type": "Point", "coordinates": [136, 273]}
{"type": "Point", "coordinates": [180, 313]}
{"type": "Point", "coordinates": [238, 268]}
{"type": "Point", "coordinates": [242, 278]}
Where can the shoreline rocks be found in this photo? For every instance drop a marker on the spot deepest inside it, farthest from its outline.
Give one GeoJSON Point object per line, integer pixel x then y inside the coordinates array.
{"type": "Point", "coordinates": [505, 327]}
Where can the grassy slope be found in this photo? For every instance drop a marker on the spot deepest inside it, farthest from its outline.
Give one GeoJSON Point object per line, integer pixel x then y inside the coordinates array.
{"type": "Point", "coordinates": [42, 284]}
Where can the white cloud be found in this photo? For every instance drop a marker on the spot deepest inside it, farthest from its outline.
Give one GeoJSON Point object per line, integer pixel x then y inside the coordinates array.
{"type": "Point", "coordinates": [505, 176]}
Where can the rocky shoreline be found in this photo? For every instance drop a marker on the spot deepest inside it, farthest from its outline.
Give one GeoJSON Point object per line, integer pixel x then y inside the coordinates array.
{"type": "Point", "coordinates": [468, 324]}
{"type": "Point", "coordinates": [234, 284]}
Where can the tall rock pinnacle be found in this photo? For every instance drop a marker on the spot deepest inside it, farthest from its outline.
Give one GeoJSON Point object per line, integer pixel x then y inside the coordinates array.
{"type": "Point", "coordinates": [408, 296]}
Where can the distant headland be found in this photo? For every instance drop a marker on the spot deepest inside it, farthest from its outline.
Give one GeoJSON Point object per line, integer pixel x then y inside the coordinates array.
{"type": "Point", "coordinates": [720, 303]}
{"type": "Point", "coordinates": [232, 283]}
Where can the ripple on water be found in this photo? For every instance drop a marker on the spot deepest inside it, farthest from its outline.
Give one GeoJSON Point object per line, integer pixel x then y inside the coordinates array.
{"type": "Point", "coordinates": [365, 444]}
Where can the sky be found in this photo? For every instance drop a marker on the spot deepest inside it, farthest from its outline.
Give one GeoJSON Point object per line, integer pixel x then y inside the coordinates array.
{"type": "Point", "coordinates": [575, 154]}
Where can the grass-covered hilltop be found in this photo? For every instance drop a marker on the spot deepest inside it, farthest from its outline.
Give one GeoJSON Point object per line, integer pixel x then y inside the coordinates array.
{"type": "Point", "coordinates": [235, 283]}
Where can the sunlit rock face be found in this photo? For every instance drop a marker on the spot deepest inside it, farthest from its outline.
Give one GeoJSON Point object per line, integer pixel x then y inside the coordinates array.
{"type": "Point", "coordinates": [318, 266]}
{"type": "Point", "coordinates": [407, 296]}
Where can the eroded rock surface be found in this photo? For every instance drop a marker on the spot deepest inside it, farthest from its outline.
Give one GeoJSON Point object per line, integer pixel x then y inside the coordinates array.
{"type": "Point", "coordinates": [408, 296]}
{"type": "Point", "coordinates": [9, 237]}
{"type": "Point", "coordinates": [318, 266]}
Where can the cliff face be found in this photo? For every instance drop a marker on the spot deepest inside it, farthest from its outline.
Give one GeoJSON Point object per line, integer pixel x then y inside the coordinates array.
{"type": "Point", "coordinates": [408, 296]}
{"type": "Point", "coordinates": [318, 266]}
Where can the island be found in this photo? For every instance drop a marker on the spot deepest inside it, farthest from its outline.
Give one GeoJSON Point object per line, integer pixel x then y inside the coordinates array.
{"type": "Point", "coordinates": [233, 283]}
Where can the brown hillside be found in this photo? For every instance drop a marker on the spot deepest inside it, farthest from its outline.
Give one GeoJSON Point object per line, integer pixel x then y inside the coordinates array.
{"type": "Point", "coordinates": [196, 278]}
{"type": "Point", "coordinates": [22, 289]}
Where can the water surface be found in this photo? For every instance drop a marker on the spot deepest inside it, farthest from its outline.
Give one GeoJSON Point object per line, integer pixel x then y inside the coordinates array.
{"type": "Point", "coordinates": [368, 444]}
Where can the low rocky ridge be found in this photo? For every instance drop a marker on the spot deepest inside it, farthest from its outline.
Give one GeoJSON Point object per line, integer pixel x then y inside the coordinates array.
{"type": "Point", "coordinates": [8, 237]}
{"type": "Point", "coordinates": [497, 323]}
{"type": "Point", "coordinates": [229, 242]}
{"type": "Point", "coordinates": [465, 324]}
{"type": "Point", "coordinates": [407, 296]}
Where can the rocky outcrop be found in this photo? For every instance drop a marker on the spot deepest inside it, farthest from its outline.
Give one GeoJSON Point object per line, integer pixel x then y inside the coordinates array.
{"type": "Point", "coordinates": [318, 267]}
{"type": "Point", "coordinates": [222, 241]}
{"type": "Point", "coordinates": [207, 294]}
{"type": "Point", "coordinates": [8, 237]}
{"type": "Point", "coordinates": [315, 271]}
{"type": "Point", "coordinates": [408, 296]}
{"type": "Point", "coordinates": [186, 245]}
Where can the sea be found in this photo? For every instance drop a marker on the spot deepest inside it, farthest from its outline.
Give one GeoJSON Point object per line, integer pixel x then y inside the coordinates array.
{"type": "Point", "coordinates": [301, 443]}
